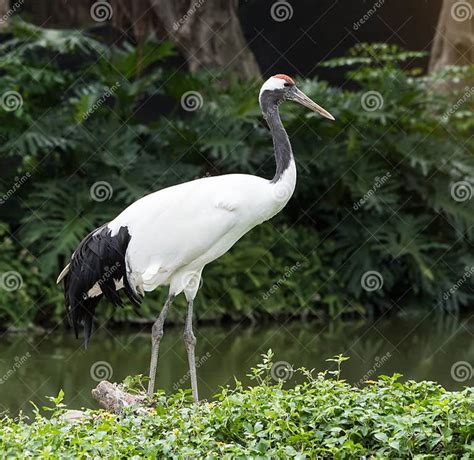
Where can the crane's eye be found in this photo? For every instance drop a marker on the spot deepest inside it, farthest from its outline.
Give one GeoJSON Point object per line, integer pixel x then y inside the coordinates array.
{"type": "Point", "coordinates": [287, 84]}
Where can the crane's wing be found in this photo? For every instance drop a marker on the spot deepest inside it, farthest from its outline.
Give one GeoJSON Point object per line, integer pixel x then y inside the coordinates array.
{"type": "Point", "coordinates": [179, 226]}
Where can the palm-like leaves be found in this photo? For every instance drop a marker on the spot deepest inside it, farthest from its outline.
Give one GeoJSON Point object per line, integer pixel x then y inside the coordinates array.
{"type": "Point", "coordinates": [375, 190]}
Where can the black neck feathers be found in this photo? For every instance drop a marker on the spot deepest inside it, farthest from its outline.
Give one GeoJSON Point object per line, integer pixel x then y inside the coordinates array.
{"type": "Point", "coordinates": [269, 102]}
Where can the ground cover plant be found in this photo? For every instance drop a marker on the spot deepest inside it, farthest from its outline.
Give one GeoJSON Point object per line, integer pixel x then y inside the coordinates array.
{"type": "Point", "coordinates": [321, 417]}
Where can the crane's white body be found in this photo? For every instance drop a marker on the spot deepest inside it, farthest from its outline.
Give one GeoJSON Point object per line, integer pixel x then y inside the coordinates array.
{"type": "Point", "coordinates": [177, 231]}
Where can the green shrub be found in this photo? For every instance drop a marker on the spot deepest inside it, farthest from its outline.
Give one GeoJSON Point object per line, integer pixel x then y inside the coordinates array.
{"type": "Point", "coordinates": [375, 190]}
{"type": "Point", "coordinates": [321, 417]}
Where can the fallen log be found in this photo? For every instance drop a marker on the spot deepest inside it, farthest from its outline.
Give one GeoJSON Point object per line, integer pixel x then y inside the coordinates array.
{"type": "Point", "coordinates": [113, 398]}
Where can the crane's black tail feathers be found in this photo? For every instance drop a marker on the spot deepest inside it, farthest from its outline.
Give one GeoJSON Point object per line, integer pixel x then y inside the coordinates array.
{"type": "Point", "coordinates": [98, 260]}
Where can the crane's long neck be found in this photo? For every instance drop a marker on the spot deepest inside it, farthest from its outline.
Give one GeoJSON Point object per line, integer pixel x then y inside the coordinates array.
{"type": "Point", "coordinates": [285, 175]}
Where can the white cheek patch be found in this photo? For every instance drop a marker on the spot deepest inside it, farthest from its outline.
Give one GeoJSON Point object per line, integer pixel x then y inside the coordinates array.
{"type": "Point", "coordinates": [271, 84]}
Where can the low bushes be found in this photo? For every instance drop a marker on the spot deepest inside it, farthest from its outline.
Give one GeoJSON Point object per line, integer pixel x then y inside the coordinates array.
{"type": "Point", "coordinates": [321, 417]}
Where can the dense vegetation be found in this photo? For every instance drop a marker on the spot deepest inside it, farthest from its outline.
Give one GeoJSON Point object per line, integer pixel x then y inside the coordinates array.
{"type": "Point", "coordinates": [385, 190]}
{"type": "Point", "coordinates": [322, 417]}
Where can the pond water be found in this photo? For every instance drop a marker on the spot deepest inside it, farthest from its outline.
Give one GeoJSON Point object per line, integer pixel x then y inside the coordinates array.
{"type": "Point", "coordinates": [421, 346]}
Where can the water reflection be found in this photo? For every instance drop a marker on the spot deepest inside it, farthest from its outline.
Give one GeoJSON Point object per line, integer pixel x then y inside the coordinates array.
{"type": "Point", "coordinates": [420, 347]}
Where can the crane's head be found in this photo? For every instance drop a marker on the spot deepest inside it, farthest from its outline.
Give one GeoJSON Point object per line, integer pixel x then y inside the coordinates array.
{"type": "Point", "coordinates": [281, 88]}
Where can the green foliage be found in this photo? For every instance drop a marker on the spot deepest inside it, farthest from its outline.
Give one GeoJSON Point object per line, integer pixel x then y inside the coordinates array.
{"type": "Point", "coordinates": [321, 417]}
{"type": "Point", "coordinates": [374, 191]}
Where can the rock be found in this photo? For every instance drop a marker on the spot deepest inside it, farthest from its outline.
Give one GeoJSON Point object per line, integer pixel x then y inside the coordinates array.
{"type": "Point", "coordinates": [113, 398]}
{"type": "Point", "coordinates": [74, 416]}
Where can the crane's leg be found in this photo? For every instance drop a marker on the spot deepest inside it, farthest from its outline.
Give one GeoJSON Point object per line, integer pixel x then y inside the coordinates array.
{"type": "Point", "coordinates": [190, 344]}
{"type": "Point", "coordinates": [156, 335]}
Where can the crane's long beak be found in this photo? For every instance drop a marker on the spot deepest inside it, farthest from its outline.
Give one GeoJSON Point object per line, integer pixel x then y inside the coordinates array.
{"type": "Point", "coordinates": [301, 98]}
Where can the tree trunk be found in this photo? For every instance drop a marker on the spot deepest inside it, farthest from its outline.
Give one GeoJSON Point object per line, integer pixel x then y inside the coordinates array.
{"type": "Point", "coordinates": [4, 5]}
{"type": "Point", "coordinates": [208, 35]}
{"type": "Point", "coordinates": [454, 39]}
{"type": "Point", "coordinates": [60, 14]}
{"type": "Point", "coordinates": [206, 32]}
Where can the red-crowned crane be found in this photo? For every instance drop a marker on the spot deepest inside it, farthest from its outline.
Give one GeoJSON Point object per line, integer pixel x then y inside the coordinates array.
{"type": "Point", "coordinates": [168, 237]}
